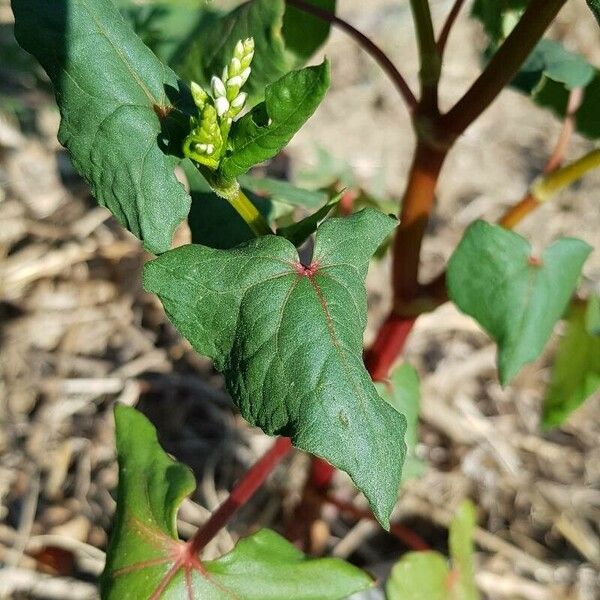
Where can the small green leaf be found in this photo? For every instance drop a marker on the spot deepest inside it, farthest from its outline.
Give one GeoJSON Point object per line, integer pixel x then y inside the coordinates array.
{"type": "Point", "coordinates": [283, 191]}
{"type": "Point", "coordinates": [145, 558]}
{"type": "Point", "coordinates": [267, 128]}
{"type": "Point", "coordinates": [288, 339]}
{"type": "Point", "coordinates": [576, 371]}
{"type": "Point", "coordinates": [109, 88]}
{"type": "Point", "coordinates": [299, 232]}
{"type": "Point", "coordinates": [462, 551]}
{"type": "Point", "coordinates": [551, 71]}
{"type": "Point", "coordinates": [403, 392]}
{"type": "Point", "coordinates": [551, 60]}
{"type": "Point", "coordinates": [427, 576]}
{"type": "Point", "coordinates": [595, 7]}
{"type": "Point", "coordinates": [515, 297]}
{"type": "Point", "coordinates": [213, 221]}
{"type": "Point", "coordinates": [419, 576]}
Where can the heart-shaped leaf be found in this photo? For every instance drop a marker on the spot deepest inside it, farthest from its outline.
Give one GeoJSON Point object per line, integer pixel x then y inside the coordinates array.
{"type": "Point", "coordinates": [576, 371]}
{"type": "Point", "coordinates": [288, 339]}
{"type": "Point", "coordinates": [515, 297]}
{"type": "Point", "coordinates": [145, 558]}
{"type": "Point", "coordinates": [268, 127]}
{"type": "Point", "coordinates": [110, 89]}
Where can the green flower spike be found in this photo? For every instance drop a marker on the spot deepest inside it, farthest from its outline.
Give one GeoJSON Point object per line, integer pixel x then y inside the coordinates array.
{"type": "Point", "coordinates": [207, 139]}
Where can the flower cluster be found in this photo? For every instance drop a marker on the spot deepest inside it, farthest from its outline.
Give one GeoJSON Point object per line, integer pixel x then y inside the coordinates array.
{"type": "Point", "coordinates": [210, 129]}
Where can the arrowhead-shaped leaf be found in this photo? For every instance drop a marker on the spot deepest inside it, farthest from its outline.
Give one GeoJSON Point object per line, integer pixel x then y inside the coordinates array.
{"type": "Point", "coordinates": [109, 87]}
{"type": "Point", "coordinates": [403, 392]}
{"type": "Point", "coordinates": [284, 39]}
{"type": "Point", "coordinates": [145, 558]}
{"type": "Point", "coordinates": [268, 127]}
{"type": "Point", "coordinates": [288, 339]}
{"type": "Point", "coordinates": [576, 371]}
{"type": "Point", "coordinates": [515, 297]}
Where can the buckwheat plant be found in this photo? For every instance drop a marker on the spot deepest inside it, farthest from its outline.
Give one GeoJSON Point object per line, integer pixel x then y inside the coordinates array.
{"type": "Point", "coordinates": [287, 332]}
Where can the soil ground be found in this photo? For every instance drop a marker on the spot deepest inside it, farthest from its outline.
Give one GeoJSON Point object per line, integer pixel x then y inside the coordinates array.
{"type": "Point", "coordinates": [78, 334]}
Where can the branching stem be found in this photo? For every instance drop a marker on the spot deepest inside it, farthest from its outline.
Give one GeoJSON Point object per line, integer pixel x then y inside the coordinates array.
{"type": "Point", "coordinates": [448, 25]}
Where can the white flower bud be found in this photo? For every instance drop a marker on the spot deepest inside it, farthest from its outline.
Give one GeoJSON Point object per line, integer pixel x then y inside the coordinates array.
{"type": "Point", "coordinates": [225, 75]}
{"type": "Point", "coordinates": [222, 105]}
{"type": "Point", "coordinates": [201, 148]}
{"type": "Point", "coordinates": [218, 87]}
{"type": "Point", "coordinates": [210, 149]}
{"type": "Point", "coordinates": [245, 74]}
{"type": "Point", "coordinates": [239, 100]}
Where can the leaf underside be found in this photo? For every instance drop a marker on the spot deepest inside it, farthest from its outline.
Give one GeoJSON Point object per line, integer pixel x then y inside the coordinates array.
{"type": "Point", "coordinates": [288, 339]}
{"type": "Point", "coordinates": [146, 560]}
{"type": "Point", "coordinates": [109, 88]}
{"type": "Point", "coordinates": [515, 297]}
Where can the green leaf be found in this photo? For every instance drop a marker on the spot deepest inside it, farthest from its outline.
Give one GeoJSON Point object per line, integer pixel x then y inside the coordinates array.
{"type": "Point", "coordinates": [515, 297]}
{"type": "Point", "coordinates": [213, 221]}
{"type": "Point", "coordinates": [288, 339]}
{"type": "Point", "coordinates": [284, 39]}
{"type": "Point", "coordinates": [403, 392]}
{"type": "Point", "coordinates": [283, 191]}
{"type": "Point", "coordinates": [299, 232]}
{"type": "Point", "coordinates": [551, 71]}
{"type": "Point", "coordinates": [419, 576]}
{"type": "Point", "coordinates": [108, 86]}
{"type": "Point", "coordinates": [498, 17]}
{"type": "Point", "coordinates": [426, 575]}
{"type": "Point", "coordinates": [145, 559]}
{"type": "Point", "coordinates": [462, 551]}
{"type": "Point", "coordinates": [267, 128]}
{"type": "Point", "coordinates": [576, 372]}
{"type": "Point", "coordinates": [595, 7]}
{"type": "Point", "coordinates": [551, 60]}
{"type": "Point", "coordinates": [304, 33]}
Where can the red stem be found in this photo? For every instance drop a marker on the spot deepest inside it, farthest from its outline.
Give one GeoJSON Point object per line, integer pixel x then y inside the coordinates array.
{"type": "Point", "coordinates": [447, 28]}
{"type": "Point", "coordinates": [388, 345]}
{"type": "Point", "coordinates": [366, 44]}
{"type": "Point", "coordinates": [404, 534]}
{"type": "Point", "coordinates": [241, 493]}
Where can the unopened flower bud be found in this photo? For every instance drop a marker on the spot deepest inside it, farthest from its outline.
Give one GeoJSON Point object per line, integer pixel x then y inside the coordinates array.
{"type": "Point", "coordinates": [239, 100]}
{"type": "Point", "coordinates": [245, 74]}
{"type": "Point", "coordinates": [218, 87]}
{"type": "Point", "coordinates": [222, 105]}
